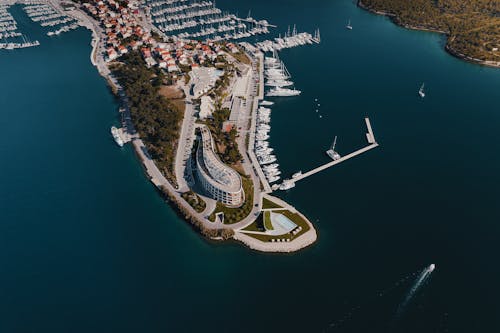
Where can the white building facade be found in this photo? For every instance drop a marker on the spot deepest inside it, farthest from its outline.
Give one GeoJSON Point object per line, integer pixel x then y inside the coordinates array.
{"type": "Point", "coordinates": [223, 183]}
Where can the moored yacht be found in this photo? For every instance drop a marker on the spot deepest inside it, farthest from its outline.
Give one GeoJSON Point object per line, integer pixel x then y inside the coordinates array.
{"type": "Point", "coordinates": [116, 136]}
{"type": "Point", "coordinates": [332, 153]}
{"type": "Point", "coordinates": [283, 92]}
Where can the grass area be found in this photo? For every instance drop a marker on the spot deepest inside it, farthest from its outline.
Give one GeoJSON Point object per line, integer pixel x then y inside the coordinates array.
{"type": "Point", "coordinates": [257, 225]}
{"type": "Point", "coordinates": [267, 204]}
{"type": "Point", "coordinates": [295, 218]}
{"type": "Point", "coordinates": [267, 221]}
{"type": "Point", "coordinates": [180, 104]}
{"type": "Point", "coordinates": [175, 96]}
{"type": "Point", "coordinates": [234, 215]}
{"type": "Point", "coordinates": [194, 201]}
{"type": "Point", "coordinates": [171, 92]}
{"type": "Point", "coordinates": [241, 57]}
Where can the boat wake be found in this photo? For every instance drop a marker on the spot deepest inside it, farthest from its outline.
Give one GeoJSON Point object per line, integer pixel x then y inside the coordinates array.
{"type": "Point", "coordinates": [422, 278]}
{"type": "Point", "coordinates": [348, 315]}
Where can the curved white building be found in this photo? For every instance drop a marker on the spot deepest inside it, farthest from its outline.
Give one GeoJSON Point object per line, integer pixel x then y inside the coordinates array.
{"type": "Point", "coordinates": [223, 183]}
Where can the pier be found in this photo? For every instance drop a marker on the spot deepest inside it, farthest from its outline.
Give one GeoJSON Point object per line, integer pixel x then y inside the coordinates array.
{"type": "Point", "coordinates": [372, 144]}
{"type": "Point", "coordinates": [253, 125]}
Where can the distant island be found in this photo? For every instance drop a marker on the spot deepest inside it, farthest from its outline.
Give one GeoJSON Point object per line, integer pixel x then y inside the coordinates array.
{"type": "Point", "coordinates": [472, 27]}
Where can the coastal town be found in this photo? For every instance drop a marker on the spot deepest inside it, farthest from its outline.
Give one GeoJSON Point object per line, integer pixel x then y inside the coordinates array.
{"type": "Point", "coordinates": [193, 107]}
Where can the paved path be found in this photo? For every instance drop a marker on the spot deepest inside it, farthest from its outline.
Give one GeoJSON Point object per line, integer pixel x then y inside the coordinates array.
{"type": "Point", "coordinates": [186, 140]}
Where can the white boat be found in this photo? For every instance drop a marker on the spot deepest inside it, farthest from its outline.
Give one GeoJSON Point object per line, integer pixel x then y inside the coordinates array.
{"type": "Point", "coordinates": [332, 153]}
{"type": "Point", "coordinates": [267, 159]}
{"type": "Point", "coordinates": [279, 83]}
{"type": "Point", "coordinates": [266, 103]}
{"type": "Point", "coordinates": [297, 174]}
{"type": "Point", "coordinates": [421, 91]}
{"type": "Point", "coordinates": [271, 166]}
{"type": "Point", "coordinates": [287, 184]}
{"type": "Point", "coordinates": [349, 26]}
{"type": "Point", "coordinates": [116, 136]}
{"type": "Point", "coordinates": [283, 92]}
{"type": "Point", "coordinates": [273, 179]}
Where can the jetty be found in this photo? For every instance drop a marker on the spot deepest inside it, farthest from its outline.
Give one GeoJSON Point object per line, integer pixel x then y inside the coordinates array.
{"type": "Point", "coordinates": [372, 144]}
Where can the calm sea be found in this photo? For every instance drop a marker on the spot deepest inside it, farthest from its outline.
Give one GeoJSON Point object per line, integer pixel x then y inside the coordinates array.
{"type": "Point", "coordinates": [87, 245]}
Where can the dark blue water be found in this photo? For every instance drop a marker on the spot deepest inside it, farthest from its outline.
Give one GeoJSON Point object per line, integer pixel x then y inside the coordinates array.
{"type": "Point", "coordinates": [87, 245]}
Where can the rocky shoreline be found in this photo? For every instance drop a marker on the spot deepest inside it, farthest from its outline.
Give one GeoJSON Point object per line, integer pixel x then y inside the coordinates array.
{"type": "Point", "coordinates": [393, 17]}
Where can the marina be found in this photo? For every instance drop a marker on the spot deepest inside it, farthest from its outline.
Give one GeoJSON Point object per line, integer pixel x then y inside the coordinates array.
{"type": "Point", "coordinates": [385, 214]}
{"type": "Point", "coordinates": [289, 40]}
{"type": "Point", "coordinates": [10, 37]}
{"type": "Point", "coordinates": [39, 11]}
{"type": "Point", "coordinates": [191, 19]}
{"type": "Point", "coordinates": [45, 14]}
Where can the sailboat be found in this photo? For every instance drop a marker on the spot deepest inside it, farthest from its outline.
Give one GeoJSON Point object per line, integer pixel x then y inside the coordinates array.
{"type": "Point", "coordinates": [332, 153]}
{"type": "Point", "coordinates": [421, 91]}
{"type": "Point", "coordinates": [349, 26]}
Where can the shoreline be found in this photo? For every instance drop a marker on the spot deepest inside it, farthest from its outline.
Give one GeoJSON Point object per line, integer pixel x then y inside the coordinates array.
{"type": "Point", "coordinates": [213, 232]}
{"type": "Point", "coordinates": [447, 48]}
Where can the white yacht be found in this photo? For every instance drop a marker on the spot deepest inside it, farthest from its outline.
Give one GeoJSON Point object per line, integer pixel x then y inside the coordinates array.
{"type": "Point", "coordinates": [116, 136]}
{"type": "Point", "coordinates": [349, 26]}
{"type": "Point", "coordinates": [273, 179]}
{"type": "Point", "coordinates": [421, 91]}
{"type": "Point", "coordinates": [287, 184]}
{"type": "Point", "coordinates": [297, 174]}
{"type": "Point", "coordinates": [332, 153]}
{"type": "Point", "coordinates": [283, 92]}
{"type": "Point", "coordinates": [279, 83]}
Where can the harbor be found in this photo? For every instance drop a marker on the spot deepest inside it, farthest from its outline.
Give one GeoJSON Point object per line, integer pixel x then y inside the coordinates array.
{"type": "Point", "coordinates": [45, 13]}
{"type": "Point", "coordinates": [10, 36]}
{"type": "Point", "coordinates": [202, 19]}
{"type": "Point", "coordinates": [386, 214]}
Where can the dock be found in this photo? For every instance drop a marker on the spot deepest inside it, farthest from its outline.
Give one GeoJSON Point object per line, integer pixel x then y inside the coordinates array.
{"type": "Point", "coordinates": [372, 144]}
{"type": "Point", "coordinates": [251, 142]}
{"type": "Point", "coordinates": [122, 133]}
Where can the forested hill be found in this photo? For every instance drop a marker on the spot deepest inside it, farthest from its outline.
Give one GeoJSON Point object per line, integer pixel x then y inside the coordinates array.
{"type": "Point", "coordinates": [473, 26]}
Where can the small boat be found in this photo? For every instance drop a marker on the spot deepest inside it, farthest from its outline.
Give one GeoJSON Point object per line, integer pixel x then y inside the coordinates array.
{"type": "Point", "coordinates": [332, 153]}
{"type": "Point", "coordinates": [297, 174]}
{"type": "Point", "coordinates": [349, 26]}
{"type": "Point", "coordinates": [116, 136]}
{"type": "Point", "coordinates": [421, 91]}
{"type": "Point", "coordinates": [287, 184]}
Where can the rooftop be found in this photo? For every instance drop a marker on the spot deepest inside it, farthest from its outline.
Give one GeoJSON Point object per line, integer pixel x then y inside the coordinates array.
{"type": "Point", "coordinates": [226, 178]}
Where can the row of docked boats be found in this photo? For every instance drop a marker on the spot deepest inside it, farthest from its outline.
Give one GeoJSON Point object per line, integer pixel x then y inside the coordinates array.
{"type": "Point", "coordinates": [201, 19]}
{"type": "Point", "coordinates": [278, 78]}
{"type": "Point", "coordinates": [10, 38]}
{"type": "Point", "coordinates": [262, 150]}
{"type": "Point", "coordinates": [289, 40]}
{"type": "Point", "coordinates": [48, 16]}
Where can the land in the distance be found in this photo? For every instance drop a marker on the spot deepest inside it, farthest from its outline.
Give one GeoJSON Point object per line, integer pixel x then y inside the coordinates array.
{"type": "Point", "coordinates": [472, 27]}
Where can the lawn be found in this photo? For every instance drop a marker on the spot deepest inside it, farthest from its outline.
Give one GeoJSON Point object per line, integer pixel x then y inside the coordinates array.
{"type": "Point", "coordinates": [295, 218]}
{"type": "Point", "coordinates": [267, 204]}
{"type": "Point", "coordinates": [267, 221]}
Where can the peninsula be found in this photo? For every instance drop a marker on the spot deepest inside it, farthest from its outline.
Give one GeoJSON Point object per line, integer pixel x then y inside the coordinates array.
{"type": "Point", "coordinates": [472, 27]}
{"type": "Point", "coordinates": [192, 106]}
